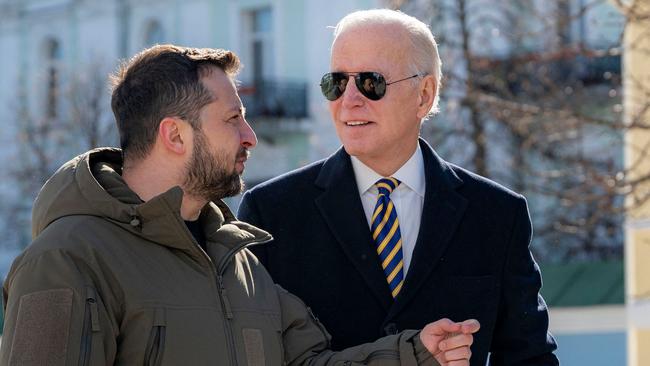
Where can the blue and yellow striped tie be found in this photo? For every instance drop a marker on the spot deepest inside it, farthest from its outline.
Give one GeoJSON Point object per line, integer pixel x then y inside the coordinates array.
{"type": "Point", "coordinates": [386, 234]}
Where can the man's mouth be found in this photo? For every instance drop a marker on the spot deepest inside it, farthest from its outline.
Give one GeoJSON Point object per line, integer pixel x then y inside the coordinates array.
{"type": "Point", "coordinates": [243, 155]}
{"type": "Point", "coordinates": [356, 123]}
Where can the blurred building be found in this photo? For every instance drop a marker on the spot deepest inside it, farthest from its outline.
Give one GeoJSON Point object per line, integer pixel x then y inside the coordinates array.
{"type": "Point", "coordinates": [531, 92]}
{"type": "Point", "coordinates": [50, 47]}
{"type": "Point", "coordinates": [284, 45]}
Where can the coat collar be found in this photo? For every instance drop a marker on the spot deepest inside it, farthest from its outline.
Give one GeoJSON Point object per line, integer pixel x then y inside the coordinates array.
{"type": "Point", "coordinates": [441, 214]}
{"type": "Point", "coordinates": [341, 208]}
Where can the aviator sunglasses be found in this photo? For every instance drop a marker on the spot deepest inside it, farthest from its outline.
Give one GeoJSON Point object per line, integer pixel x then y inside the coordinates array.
{"type": "Point", "coordinates": [371, 84]}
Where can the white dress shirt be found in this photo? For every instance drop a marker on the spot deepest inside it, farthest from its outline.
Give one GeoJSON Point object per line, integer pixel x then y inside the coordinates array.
{"type": "Point", "coordinates": [408, 198]}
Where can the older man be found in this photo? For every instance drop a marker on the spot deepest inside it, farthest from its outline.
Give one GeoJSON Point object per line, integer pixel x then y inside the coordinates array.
{"type": "Point", "coordinates": [135, 259]}
{"type": "Point", "coordinates": [386, 235]}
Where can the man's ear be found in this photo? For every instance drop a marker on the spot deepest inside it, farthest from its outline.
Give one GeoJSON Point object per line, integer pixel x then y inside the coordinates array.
{"type": "Point", "coordinates": [173, 134]}
{"type": "Point", "coordinates": [427, 94]}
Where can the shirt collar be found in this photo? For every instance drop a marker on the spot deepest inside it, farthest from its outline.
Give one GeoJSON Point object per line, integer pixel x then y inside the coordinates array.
{"type": "Point", "coordinates": [410, 174]}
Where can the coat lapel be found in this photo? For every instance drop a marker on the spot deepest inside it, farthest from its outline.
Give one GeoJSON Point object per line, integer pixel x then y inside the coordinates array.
{"type": "Point", "coordinates": [341, 208]}
{"type": "Point", "coordinates": [441, 213]}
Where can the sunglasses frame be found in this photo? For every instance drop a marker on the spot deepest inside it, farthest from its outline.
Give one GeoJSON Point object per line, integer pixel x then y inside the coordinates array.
{"type": "Point", "coordinates": [332, 94]}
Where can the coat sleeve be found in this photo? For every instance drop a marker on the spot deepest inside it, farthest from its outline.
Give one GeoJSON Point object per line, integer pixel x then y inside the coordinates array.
{"type": "Point", "coordinates": [306, 342]}
{"type": "Point", "coordinates": [521, 336]}
{"type": "Point", "coordinates": [53, 315]}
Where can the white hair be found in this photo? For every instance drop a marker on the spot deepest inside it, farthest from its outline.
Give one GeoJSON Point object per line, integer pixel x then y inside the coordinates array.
{"type": "Point", "coordinates": [424, 49]}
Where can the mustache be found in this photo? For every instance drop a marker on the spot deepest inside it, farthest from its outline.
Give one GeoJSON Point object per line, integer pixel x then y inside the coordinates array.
{"type": "Point", "coordinates": [243, 153]}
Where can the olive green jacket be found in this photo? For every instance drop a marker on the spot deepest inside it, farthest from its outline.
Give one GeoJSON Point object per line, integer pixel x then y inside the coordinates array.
{"type": "Point", "coordinates": [112, 280]}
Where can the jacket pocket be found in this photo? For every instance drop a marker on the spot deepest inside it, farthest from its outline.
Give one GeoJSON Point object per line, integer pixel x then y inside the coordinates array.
{"type": "Point", "coordinates": [90, 326]}
{"type": "Point", "coordinates": [153, 354]}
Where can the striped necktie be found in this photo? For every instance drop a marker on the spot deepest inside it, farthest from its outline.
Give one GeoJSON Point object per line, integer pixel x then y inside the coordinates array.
{"type": "Point", "coordinates": [387, 236]}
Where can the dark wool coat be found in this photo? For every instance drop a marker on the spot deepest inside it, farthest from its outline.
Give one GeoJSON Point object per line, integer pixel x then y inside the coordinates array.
{"type": "Point", "coordinates": [471, 258]}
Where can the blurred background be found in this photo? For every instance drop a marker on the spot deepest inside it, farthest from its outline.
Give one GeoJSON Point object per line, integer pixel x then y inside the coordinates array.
{"type": "Point", "coordinates": [548, 97]}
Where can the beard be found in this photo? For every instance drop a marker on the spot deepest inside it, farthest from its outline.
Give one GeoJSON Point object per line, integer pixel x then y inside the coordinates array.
{"type": "Point", "coordinates": [210, 176]}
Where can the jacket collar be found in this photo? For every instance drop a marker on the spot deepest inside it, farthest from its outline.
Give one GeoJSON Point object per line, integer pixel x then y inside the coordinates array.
{"type": "Point", "coordinates": [104, 193]}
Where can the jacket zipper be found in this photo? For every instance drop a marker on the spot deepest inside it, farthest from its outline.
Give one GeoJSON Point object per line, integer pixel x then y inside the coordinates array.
{"type": "Point", "coordinates": [154, 351]}
{"type": "Point", "coordinates": [90, 324]}
{"type": "Point", "coordinates": [85, 341]}
{"type": "Point", "coordinates": [223, 296]}
{"type": "Point", "coordinates": [319, 325]}
{"type": "Point", "coordinates": [228, 316]}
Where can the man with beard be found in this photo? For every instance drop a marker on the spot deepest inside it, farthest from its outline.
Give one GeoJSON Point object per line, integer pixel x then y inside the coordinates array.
{"type": "Point", "coordinates": [135, 259]}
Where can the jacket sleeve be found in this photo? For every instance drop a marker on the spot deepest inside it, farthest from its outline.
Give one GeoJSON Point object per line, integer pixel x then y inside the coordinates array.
{"type": "Point", "coordinates": [53, 315]}
{"type": "Point", "coordinates": [306, 342]}
{"type": "Point", "coordinates": [521, 336]}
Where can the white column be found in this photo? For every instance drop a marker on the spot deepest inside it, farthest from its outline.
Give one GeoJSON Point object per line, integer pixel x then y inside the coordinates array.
{"type": "Point", "coordinates": [636, 84]}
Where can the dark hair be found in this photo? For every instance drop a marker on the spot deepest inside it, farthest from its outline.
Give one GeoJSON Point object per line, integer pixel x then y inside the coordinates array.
{"type": "Point", "coordinates": [163, 81]}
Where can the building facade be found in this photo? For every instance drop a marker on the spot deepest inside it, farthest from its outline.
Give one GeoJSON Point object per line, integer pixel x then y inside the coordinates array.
{"type": "Point", "coordinates": [57, 54]}
{"type": "Point", "coordinates": [58, 50]}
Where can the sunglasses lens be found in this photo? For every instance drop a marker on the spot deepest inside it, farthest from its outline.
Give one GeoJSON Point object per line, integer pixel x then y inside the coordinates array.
{"type": "Point", "coordinates": [333, 84]}
{"type": "Point", "coordinates": [371, 84]}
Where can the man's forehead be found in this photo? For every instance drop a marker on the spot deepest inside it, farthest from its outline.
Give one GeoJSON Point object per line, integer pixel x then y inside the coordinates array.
{"type": "Point", "coordinates": [219, 84]}
{"type": "Point", "coordinates": [368, 46]}
{"type": "Point", "coordinates": [375, 31]}
{"type": "Point", "coordinates": [390, 35]}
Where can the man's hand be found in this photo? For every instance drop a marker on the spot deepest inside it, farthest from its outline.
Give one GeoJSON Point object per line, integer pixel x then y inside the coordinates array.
{"type": "Point", "coordinates": [449, 341]}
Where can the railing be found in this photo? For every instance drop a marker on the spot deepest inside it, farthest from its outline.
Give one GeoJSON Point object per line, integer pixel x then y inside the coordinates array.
{"type": "Point", "coordinates": [275, 99]}
{"type": "Point", "coordinates": [546, 70]}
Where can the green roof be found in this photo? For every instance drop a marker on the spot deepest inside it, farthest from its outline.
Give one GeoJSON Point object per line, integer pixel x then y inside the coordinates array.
{"type": "Point", "coordinates": [583, 284]}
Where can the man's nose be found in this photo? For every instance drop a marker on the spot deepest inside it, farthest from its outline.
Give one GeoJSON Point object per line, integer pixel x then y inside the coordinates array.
{"type": "Point", "coordinates": [351, 95]}
{"type": "Point", "coordinates": [247, 135]}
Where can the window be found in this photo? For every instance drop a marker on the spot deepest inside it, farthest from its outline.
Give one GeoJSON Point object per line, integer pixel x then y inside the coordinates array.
{"type": "Point", "coordinates": [564, 22]}
{"type": "Point", "coordinates": [260, 29]}
{"type": "Point", "coordinates": [53, 57]}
